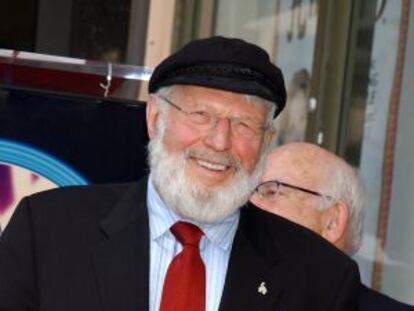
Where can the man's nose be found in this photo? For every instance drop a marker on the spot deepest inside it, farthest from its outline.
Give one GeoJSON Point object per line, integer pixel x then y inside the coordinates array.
{"type": "Point", "coordinates": [219, 136]}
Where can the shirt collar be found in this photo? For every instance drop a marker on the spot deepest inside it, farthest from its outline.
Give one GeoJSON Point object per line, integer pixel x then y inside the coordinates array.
{"type": "Point", "coordinates": [161, 218]}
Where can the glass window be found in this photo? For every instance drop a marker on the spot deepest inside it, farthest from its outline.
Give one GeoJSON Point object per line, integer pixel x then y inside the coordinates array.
{"type": "Point", "coordinates": [376, 134]}
{"type": "Point", "coordinates": [111, 30]}
{"type": "Point", "coordinates": [287, 30]}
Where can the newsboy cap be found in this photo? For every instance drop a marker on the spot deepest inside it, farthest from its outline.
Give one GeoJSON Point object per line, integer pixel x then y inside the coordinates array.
{"type": "Point", "coordinates": [223, 63]}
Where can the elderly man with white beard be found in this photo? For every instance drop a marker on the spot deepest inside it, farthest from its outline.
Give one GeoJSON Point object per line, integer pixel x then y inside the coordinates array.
{"type": "Point", "coordinates": [183, 238]}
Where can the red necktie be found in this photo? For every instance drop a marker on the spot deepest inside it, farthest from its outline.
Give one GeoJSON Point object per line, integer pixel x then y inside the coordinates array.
{"type": "Point", "coordinates": [185, 281]}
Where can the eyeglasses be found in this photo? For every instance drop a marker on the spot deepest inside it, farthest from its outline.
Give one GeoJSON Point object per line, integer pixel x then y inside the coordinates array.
{"type": "Point", "coordinates": [207, 120]}
{"type": "Point", "coordinates": [273, 188]}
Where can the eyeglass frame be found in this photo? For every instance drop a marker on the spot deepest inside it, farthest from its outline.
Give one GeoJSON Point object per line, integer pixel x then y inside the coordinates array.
{"type": "Point", "coordinates": [287, 185]}
{"type": "Point", "coordinates": [263, 129]}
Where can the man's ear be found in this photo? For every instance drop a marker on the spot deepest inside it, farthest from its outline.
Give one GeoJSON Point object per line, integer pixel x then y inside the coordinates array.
{"type": "Point", "coordinates": [335, 222]}
{"type": "Point", "coordinates": [152, 114]}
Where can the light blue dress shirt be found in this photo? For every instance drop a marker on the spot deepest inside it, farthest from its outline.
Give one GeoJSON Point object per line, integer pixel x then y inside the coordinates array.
{"type": "Point", "coordinates": [215, 248]}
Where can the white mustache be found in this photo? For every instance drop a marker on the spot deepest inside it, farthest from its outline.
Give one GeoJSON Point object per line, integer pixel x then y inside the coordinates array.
{"type": "Point", "coordinates": [209, 156]}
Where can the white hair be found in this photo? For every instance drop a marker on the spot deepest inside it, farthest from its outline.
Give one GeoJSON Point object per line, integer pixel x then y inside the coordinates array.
{"type": "Point", "coordinates": [346, 184]}
{"type": "Point", "coordinates": [270, 106]}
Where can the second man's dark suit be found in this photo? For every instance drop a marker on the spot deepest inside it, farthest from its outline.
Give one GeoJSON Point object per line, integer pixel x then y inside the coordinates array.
{"type": "Point", "coordinates": [372, 300]}
{"type": "Point", "coordinates": [87, 248]}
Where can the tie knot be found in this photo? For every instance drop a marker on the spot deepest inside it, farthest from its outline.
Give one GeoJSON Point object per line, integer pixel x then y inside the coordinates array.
{"type": "Point", "coordinates": [186, 233]}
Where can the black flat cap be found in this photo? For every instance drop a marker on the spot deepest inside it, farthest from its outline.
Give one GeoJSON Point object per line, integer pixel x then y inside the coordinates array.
{"type": "Point", "coordinates": [223, 63]}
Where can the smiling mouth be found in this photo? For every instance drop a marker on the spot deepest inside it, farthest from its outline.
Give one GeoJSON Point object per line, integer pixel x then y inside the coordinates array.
{"type": "Point", "coordinates": [212, 166]}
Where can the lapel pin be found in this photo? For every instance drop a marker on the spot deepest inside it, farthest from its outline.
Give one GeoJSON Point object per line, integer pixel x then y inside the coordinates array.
{"type": "Point", "coordinates": [262, 288]}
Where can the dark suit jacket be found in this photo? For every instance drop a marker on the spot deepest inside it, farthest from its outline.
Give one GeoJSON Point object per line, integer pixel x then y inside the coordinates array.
{"type": "Point", "coordinates": [372, 300]}
{"type": "Point", "coordinates": [87, 248]}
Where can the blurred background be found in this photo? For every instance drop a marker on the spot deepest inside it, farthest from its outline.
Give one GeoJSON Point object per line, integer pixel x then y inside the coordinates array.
{"type": "Point", "coordinates": [348, 65]}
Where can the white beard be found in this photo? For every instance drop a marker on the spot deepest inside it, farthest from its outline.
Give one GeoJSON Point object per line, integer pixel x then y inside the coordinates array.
{"type": "Point", "coordinates": [188, 197]}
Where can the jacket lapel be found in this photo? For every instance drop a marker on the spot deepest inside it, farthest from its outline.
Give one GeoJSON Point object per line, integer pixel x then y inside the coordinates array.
{"type": "Point", "coordinates": [254, 275]}
{"type": "Point", "coordinates": [121, 262]}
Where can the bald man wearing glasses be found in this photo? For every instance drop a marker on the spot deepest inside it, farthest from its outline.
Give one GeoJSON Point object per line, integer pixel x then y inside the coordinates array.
{"type": "Point", "coordinates": [316, 189]}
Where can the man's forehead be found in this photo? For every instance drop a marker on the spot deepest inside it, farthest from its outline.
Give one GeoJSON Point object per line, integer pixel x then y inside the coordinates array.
{"type": "Point", "coordinates": [295, 167]}
{"type": "Point", "coordinates": [199, 95]}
